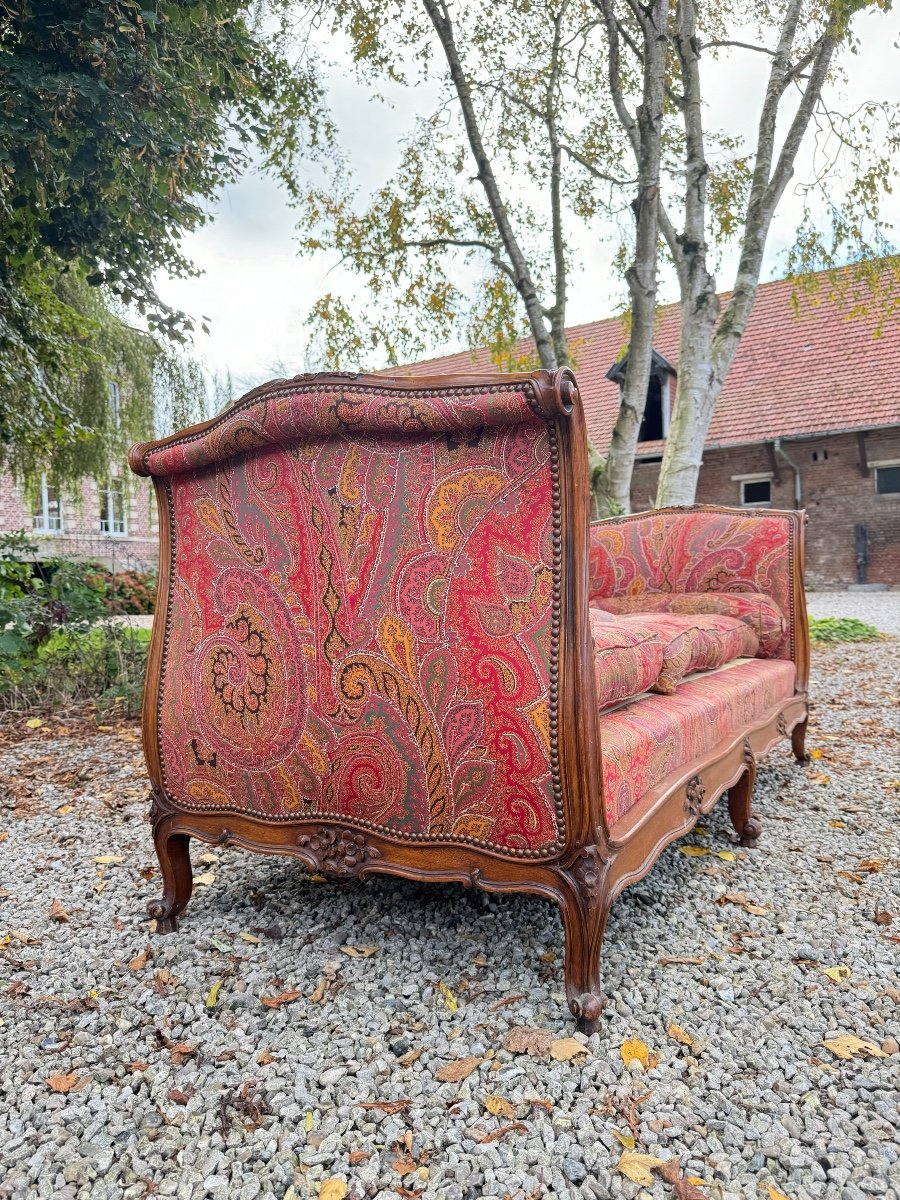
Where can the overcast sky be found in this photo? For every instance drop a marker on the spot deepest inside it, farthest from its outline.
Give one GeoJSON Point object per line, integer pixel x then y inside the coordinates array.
{"type": "Point", "coordinates": [256, 290]}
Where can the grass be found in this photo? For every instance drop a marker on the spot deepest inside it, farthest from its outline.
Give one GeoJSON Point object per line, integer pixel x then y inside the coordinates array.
{"type": "Point", "coordinates": [830, 630]}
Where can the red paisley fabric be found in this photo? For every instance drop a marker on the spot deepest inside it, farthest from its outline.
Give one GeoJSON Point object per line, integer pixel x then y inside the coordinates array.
{"type": "Point", "coordinates": [694, 550]}
{"type": "Point", "coordinates": [644, 741]}
{"type": "Point", "coordinates": [692, 642]}
{"type": "Point", "coordinates": [626, 661]}
{"type": "Point", "coordinates": [763, 615]}
{"type": "Point", "coordinates": [360, 615]}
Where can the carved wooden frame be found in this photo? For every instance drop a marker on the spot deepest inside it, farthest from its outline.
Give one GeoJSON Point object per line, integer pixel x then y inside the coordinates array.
{"type": "Point", "coordinates": [595, 862]}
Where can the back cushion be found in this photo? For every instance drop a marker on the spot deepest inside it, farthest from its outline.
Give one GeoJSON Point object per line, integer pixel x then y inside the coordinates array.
{"type": "Point", "coordinates": [761, 613]}
{"type": "Point", "coordinates": [697, 642]}
{"type": "Point", "coordinates": [360, 614]}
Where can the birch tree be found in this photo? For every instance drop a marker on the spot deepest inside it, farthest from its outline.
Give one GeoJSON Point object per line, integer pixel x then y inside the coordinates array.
{"type": "Point", "coordinates": [715, 190]}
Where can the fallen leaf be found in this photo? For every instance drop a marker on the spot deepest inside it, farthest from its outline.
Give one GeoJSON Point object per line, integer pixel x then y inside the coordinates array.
{"type": "Point", "coordinates": [522, 1039]}
{"type": "Point", "coordinates": [34, 723]}
{"type": "Point", "coordinates": [359, 951]}
{"type": "Point", "coordinates": [638, 1167]}
{"type": "Point", "coordinates": [634, 1048]}
{"type": "Point", "coordinates": [333, 1189]}
{"type": "Point", "coordinates": [848, 1045]}
{"type": "Point", "coordinates": [177, 1096]}
{"type": "Point", "coordinates": [727, 855]}
{"type": "Point", "coordinates": [458, 1070]}
{"type": "Point", "coordinates": [182, 1050]}
{"type": "Point", "coordinates": [680, 1035]}
{"type": "Point", "coordinates": [685, 1189]}
{"type": "Point", "coordinates": [505, 1002]}
{"type": "Point", "coordinates": [282, 998]}
{"type": "Point", "coordinates": [774, 1193]}
{"type": "Point", "coordinates": [208, 857]}
{"type": "Point", "coordinates": [871, 865]}
{"type": "Point", "coordinates": [403, 1165]}
{"type": "Point", "coordinates": [26, 939]}
{"type": "Point", "coordinates": [65, 809]}
{"type": "Point", "coordinates": [138, 1065]}
{"type": "Point", "coordinates": [449, 999]}
{"type": "Point", "coordinates": [840, 974]}
{"type": "Point", "coordinates": [670, 1170]}
{"type": "Point", "coordinates": [308, 1120]}
{"type": "Point", "coordinates": [62, 1083]}
{"type": "Point", "coordinates": [140, 960]}
{"type": "Point", "coordinates": [263, 1058]}
{"type": "Point", "coordinates": [411, 1056]}
{"type": "Point", "coordinates": [359, 1156]}
{"type": "Point", "coordinates": [497, 1106]}
{"type": "Point", "coordinates": [882, 916]}
{"type": "Point", "coordinates": [494, 1135]}
{"type": "Point", "coordinates": [57, 912]}
{"type": "Point", "coordinates": [318, 994]}
{"type": "Point", "coordinates": [624, 1139]}
{"type": "Point", "coordinates": [693, 851]}
{"type": "Point", "coordinates": [837, 824]}
{"type": "Point", "coordinates": [213, 995]}
{"type": "Point", "coordinates": [206, 878]}
{"type": "Point", "coordinates": [746, 904]}
{"type": "Point", "coordinates": [109, 860]}
{"type": "Point", "coordinates": [669, 960]}
{"type": "Point", "coordinates": [564, 1049]}
{"type": "Point", "coordinates": [821, 777]}
{"type": "Point", "coordinates": [250, 938]}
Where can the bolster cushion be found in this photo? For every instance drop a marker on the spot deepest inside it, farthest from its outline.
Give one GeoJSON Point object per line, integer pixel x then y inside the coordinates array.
{"type": "Point", "coordinates": [760, 612]}
{"type": "Point", "coordinates": [627, 661]}
{"type": "Point", "coordinates": [692, 642]}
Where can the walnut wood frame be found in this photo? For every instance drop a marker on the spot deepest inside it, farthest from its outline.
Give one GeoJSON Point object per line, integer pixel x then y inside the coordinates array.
{"type": "Point", "coordinates": [595, 862]}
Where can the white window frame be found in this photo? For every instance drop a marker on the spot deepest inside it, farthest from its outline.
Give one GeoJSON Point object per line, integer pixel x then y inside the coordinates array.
{"type": "Point", "coordinates": [41, 521]}
{"type": "Point", "coordinates": [110, 526]}
{"type": "Point", "coordinates": [759, 477]}
{"type": "Point", "coordinates": [883, 462]}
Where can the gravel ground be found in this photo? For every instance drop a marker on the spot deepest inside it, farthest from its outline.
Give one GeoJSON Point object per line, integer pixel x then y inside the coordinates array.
{"type": "Point", "coordinates": [177, 1092]}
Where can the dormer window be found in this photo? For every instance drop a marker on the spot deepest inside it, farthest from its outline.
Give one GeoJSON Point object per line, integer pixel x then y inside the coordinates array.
{"type": "Point", "coordinates": [657, 410]}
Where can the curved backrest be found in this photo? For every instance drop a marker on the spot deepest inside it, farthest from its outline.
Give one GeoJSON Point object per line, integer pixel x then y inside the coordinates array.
{"type": "Point", "coordinates": [363, 586]}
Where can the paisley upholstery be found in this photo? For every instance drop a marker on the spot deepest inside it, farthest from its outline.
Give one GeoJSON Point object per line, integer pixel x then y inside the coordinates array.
{"type": "Point", "coordinates": [626, 661]}
{"type": "Point", "coordinates": [360, 613]}
{"type": "Point", "coordinates": [761, 613]}
{"type": "Point", "coordinates": [691, 550]}
{"type": "Point", "coordinates": [692, 642]}
{"type": "Point", "coordinates": [644, 741]}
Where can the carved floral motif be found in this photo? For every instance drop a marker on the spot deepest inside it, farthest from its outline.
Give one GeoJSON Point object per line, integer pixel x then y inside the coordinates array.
{"type": "Point", "coordinates": [338, 851]}
{"type": "Point", "coordinates": [589, 870]}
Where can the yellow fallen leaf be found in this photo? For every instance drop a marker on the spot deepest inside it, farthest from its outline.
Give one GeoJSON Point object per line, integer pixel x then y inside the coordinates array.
{"type": "Point", "coordinates": [635, 1048]}
{"type": "Point", "coordinates": [64, 809]}
{"type": "Point", "coordinates": [638, 1167]}
{"type": "Point", "coordinates": [206, 878]}
{"type": "Point", "coordinates": [250, 938]}
{"type": "Point", "coordinates": [816, 753]}
{"type": "Point", "coordinates": [727, 855]}
{"type": "Point", "coordinates": [693, 851]}
{"type": "Point", "coordinates": [308, 1121]}
{"type": "Point", "coordinates": [680, 1035]}
{"type": "Point", "coordinates": [333, 1189]}
{"type": "Point", "coordinates": [564, 1049]}
{"type": "Point", "coordinates": [840, 974]}
{"type": "Point", "coordinates": [209, 857]}
{"type": "Point", "coordinates": [624, 1139]}
{"type": "Point", "coordinates": [837, 824]}
{"type": "Point", "coordinates": [497, 1106]}
{"type": "Point", "coordinates": [34, 723]}
{"type": "Point", "coordinates": [449, 999]}
{"type": "Point", "coordinates": [774, 1193]}
{"type": "Point", "coordinates": [848, 1045]}
{"type": "Point", "coordinates": [100, 886]}
{"type": "Point", "coordinates": [214, 994]}
{"type": "Point", "coordinates": [108, 860]}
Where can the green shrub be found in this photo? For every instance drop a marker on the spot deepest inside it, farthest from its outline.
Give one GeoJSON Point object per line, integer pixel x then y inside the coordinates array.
{"type": "Point", "coordinates": [842, 629]}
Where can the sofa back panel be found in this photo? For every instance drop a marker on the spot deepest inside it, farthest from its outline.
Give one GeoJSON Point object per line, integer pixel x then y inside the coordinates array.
{"type": "Point", "coordinates": [361, 607]}
{"type": "Point", "coordinates": [696, 550]}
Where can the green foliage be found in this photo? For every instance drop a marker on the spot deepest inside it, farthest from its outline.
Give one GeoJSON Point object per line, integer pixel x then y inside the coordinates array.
{"type": "Point", "coordinates": [119, 122]}
{"type": "Point", "coordinates": [841, 629]}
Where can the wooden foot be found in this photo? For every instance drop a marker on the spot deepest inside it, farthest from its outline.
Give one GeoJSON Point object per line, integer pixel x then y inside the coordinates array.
{"type": "Point", "coordinates": [585, 906]}
{"type": "Point", "coordinates": [798, 742]}
{"type": "Point", "coordinates": [740, 802]}
{"type": "Point", "coordinates": [175, 864]}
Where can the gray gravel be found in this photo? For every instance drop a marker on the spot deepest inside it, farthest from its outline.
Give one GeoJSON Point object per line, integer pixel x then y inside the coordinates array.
{"type": "Point", "coordinates": [262, 1102]}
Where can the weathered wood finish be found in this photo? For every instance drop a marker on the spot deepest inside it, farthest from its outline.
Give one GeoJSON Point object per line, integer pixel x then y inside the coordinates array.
{"type": "Point", "coordinates": [597, 861]}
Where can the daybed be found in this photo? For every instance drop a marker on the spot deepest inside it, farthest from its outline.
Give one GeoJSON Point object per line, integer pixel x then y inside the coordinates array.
{"type": "Point", "coordinates": [388, 639]}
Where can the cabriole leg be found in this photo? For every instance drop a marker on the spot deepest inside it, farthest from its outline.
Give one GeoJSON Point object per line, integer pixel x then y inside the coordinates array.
{"type": "Point", "coordinates": [798, 741]}
{"type": "Point", "coordinates": [585, 906]}
{"type": "Point", "coordinates": [175, 863]}
{"type": "Point", "coordinates": [740, 802]}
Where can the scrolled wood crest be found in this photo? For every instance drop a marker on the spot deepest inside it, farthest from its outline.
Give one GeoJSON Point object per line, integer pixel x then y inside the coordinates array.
{"type": "Point", "coordinates": [337, 851]}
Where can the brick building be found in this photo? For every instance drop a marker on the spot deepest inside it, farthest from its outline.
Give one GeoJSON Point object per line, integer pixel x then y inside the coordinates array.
{"type": "Point", "coordinates": [115, 525]}
{"type": "Point", "coordinates": [809, 417]}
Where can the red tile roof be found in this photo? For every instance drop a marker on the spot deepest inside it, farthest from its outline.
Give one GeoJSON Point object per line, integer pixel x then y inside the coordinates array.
{"type": "Point", "coordinates": [794, 375]}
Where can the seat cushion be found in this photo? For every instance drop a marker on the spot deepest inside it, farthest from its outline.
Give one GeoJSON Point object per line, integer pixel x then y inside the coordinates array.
{"type": "Point", "coordinates": [644, 741]}
{"type": "Point", "coordinates": [692, 642]}
{"type": "Point", "coordinates": [626, 661]}
{"type": "Point", "coordinates": [760, 612]}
